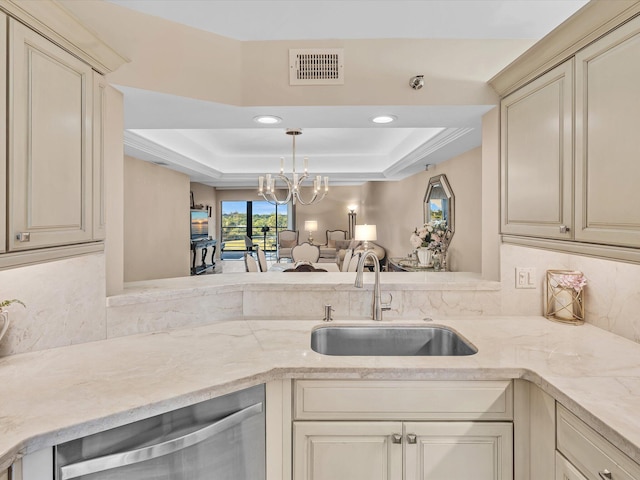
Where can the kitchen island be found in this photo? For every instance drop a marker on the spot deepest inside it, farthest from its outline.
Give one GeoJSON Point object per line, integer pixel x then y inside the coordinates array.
{"type": "Point", "coordinates": [56, 395]}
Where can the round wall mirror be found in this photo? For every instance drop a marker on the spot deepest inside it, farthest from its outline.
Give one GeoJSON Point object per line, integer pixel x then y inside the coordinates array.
{"type": "Point", "coordinates": [439, 202]}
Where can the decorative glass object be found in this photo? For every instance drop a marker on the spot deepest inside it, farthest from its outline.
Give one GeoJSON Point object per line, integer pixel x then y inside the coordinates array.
{"type": "Point", "coordinates": [565, 296]}
{"type": "Point", "coordinates": [437, 261]}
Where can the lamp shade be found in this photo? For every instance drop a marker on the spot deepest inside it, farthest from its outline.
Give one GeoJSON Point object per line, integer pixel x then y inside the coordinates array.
{"type": "Point", "coordinates": [311, 225]}
{"type": "Point", "coordinates": [366, 232]}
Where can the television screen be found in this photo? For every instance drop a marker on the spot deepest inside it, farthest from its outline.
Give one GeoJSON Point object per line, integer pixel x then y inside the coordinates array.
{"type": "Point", "coordinates": [199, 224]}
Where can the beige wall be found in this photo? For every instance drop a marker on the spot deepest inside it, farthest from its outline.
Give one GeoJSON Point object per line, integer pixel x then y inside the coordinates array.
{"type": "Point", "coordinates": [397, 209]}
{"type": "Point", "coordinates": [156, 222]}
{"type": "Point", "coordinates": [224, 70]}
{"type": "Point", "coordinates": [330, 213]}
{"type": "Point", "coordinates": [114, 190]}
{"type": "Point", "coordinates": [491, 195]}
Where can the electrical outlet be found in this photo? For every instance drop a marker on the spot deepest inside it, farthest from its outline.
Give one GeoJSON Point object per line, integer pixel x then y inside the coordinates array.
{"type": "Point", "coordinates": [525, 277]}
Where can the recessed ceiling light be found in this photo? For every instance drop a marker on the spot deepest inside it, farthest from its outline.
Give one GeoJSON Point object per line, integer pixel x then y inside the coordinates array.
{"type": "Point", "coordinates": [267, 119]}
{"type": "Point", "coordinates": [384, 119]}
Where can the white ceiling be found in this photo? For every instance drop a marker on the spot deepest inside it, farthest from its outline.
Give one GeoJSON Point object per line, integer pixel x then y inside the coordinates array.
{"type": "Point", "coordinates": [220, 145]}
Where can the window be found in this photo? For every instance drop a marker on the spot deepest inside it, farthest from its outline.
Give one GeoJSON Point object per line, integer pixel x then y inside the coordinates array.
{"type": "Point", "coordinates": [259, 220]}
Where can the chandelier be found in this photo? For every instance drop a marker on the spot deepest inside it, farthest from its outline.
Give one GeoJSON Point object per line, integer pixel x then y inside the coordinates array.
{"type": "Point", "coordinates": [293, 181]}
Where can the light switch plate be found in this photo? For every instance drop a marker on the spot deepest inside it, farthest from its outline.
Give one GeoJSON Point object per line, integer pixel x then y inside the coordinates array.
{"type": "Point", "coordinates": [525, 277]}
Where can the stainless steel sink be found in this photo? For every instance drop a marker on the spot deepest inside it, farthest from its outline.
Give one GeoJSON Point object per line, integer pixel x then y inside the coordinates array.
{"type": "Point", "coordinates": [389, 341]}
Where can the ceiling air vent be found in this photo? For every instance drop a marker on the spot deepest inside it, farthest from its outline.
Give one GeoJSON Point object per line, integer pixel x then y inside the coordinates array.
{"type": "Point", "coordinates": [316, 66]}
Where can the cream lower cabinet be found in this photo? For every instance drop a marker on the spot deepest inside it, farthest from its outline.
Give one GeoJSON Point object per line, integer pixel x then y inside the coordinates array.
{"type": "Point", "coordinates": [566, 471]}
{"type": "Point", "coordinates": [402, 430]}
{"type": "Point", "coordinates": [402, 451]}
{"type": "Point", "coordinates": [584, 453]}
{"type": "Point", "coordinates": [347, 450]}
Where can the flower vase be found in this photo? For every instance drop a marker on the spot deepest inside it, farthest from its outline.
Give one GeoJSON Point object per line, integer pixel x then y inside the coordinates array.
{"type": "Point", "coordinates": [424, 256]}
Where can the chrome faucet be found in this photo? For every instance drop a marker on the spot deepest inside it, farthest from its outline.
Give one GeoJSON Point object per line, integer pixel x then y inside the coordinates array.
{"type": "Point", "coordinates": [376, 306]}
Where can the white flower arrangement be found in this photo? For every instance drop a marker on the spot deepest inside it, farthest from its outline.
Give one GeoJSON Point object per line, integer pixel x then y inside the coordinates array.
{"type": "Point", "coordinates": [575, 282]}
{"type": "Point", "coordinates": [434, 235]}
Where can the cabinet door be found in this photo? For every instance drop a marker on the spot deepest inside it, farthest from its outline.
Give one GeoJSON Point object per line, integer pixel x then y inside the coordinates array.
{"type": "Point", "coordinates": [536, 156]}
{"type": "Point", "coordinates": [347, 451]}
{"type": "Point", "coordinates": [458, 451]}
{"type": "Point", "coordinates": [566, 471]}
{"type": "Point", "coordinates": [50, 171]}
{"type": "Point", "coordinates": [3, 131]}
{"type": "Point", "coordinates": [607, 140]}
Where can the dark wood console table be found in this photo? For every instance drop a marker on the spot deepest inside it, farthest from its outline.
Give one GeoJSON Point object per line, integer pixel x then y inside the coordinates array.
{"type": "Point", "coordinates": [202, 244]}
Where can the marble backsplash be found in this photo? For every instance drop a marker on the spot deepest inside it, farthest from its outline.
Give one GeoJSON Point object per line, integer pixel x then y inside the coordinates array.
{"type": "Point", "coordinates": [65, 302]}
{"type": "Point", "coordinates": [612, 294]}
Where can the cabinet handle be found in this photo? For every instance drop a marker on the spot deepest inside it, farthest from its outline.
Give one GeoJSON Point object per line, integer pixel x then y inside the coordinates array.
{"type": "Point", "coordinates": [23, 236]}
{"type": "Point", "coordinates": [395, 438]}
{"type": "Point", "coordinates": [411, 438]}
{"type": "Point", "coordinates": [564, 229]}
{"type": "Point", "coordinates": [605, 475]}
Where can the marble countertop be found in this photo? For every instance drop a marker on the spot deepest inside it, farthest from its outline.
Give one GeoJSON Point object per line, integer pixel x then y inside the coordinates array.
{"type": "Point", "coordinates": [152, 290]}
{"type": "Point", "coordinates": [56, 395]}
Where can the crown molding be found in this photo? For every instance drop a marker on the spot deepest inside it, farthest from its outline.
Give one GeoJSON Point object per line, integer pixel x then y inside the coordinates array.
{"type": "Point", "coordinates": [591, 22]}
{"type": "Point", "coordinates": [435, 143]}
{"type": "Point", "coordinates": [54, 22]}
{"type": "Point", "coordinates": [144, 149]}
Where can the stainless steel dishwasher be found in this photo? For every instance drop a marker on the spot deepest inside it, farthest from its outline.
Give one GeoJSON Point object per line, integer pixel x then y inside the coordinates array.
{"type": "Point", "coordinates": [219, 439]}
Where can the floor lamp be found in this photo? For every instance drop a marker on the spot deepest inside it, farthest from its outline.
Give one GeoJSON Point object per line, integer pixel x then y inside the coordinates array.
{"type": "Point", "coordinates": [352, 220]}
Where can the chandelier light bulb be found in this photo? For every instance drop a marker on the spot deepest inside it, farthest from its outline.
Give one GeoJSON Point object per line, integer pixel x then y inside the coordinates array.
{"type": "Point", "coordinates": [293, 181]}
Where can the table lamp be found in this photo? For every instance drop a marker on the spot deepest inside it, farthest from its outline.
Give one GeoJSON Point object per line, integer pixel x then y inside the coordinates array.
{"type": "Point", "coordinates": [365, 233]}
{"type": "Point", "coordinates": [311, 226]}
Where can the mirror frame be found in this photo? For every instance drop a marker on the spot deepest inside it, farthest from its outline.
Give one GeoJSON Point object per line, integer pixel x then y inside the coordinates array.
{"type": "Point", "coordinates": [440, 180]}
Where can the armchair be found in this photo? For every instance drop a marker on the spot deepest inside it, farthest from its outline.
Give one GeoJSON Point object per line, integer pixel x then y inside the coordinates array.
{"type": "Point", "coordinates": [328, 251]}
{"type": "Point", "coordinates": [287, 239]}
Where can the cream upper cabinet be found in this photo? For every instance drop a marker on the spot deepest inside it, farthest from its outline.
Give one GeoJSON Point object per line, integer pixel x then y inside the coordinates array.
{"type": "Point", "coordinates": [536, 156]}
{"type": "Point", "coordinates": [3, 131]}
{"type": "Point", "coordinates": [50, 143]}
{"type": "Point", "coordinates": [607, 160]}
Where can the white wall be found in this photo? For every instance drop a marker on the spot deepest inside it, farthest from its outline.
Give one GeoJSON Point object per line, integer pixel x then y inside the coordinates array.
{"type": "Point", "coordinates": [156, 222]}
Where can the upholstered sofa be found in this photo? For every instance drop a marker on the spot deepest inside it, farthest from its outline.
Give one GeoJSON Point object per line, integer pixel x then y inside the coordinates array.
{"type": "Point", "coordinates": [343, 245]}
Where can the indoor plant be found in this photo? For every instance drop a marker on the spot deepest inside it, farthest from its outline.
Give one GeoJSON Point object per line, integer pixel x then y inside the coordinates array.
{"type": "Point", "coordinates": [4, 315]}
